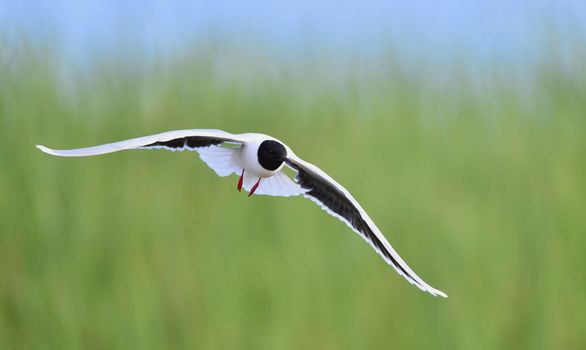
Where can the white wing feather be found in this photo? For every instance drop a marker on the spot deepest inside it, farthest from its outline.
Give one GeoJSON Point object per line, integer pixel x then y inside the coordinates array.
{"type": "Point", "coordinates": [139, 142]}
{"type": "Point", "coordinates": [222, 160]}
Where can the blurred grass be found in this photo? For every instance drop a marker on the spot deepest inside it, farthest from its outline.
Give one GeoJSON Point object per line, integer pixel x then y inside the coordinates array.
{"type": "Point", "coordinates": [477, 180]}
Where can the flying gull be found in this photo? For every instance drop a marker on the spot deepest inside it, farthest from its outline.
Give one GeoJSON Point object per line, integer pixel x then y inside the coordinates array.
{"type": "Point", "coordinates": [259, 160]}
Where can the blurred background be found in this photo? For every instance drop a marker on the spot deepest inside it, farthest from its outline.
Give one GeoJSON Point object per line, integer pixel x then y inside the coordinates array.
{"type": "Point", "coordinates": [460, 126]}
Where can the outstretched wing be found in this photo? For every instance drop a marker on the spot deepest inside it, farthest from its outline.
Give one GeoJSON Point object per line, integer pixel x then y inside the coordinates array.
{"type": "Point", "coordinates": [177, 140]}
{"type": "Point", "coordinates": [337, 201]}
{"type": "Point", "coordinates": [207, 142]}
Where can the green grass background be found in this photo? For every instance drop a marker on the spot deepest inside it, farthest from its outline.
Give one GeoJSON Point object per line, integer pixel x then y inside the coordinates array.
{"type": "Point", "coordinates": [476, 175]}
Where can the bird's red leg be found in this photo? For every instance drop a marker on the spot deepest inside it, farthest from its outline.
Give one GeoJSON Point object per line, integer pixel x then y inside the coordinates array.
{"type": "Point", "coordinates": [240, 181]}
{"type": "Point", "coordinates": [254, 188]}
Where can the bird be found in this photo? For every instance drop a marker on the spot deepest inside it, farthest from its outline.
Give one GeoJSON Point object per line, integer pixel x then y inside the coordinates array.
{"type": "Point", "coordinates": [259, 161]}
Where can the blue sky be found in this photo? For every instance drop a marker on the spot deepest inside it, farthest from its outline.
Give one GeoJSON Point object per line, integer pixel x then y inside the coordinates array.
{"type": "Point", "coordinates": [484, 28]}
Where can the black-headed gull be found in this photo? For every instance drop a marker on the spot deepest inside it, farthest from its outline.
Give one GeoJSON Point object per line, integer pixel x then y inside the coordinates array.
{"type": "Point", "coordinates": [258, 160]}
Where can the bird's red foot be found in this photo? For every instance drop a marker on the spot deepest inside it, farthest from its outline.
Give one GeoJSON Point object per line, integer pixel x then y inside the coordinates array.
{"type": "Point", "coordinates": [240, 181]}
{"type": "Point", "coordinates": [254, 187]}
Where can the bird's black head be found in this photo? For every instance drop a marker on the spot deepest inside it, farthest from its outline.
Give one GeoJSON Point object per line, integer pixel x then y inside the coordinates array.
{"type": "Point", "coordinates": [271, 154]}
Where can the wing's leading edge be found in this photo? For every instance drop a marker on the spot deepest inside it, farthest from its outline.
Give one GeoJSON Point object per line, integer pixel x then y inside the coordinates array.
{"type": "Point", "coordinates": [176, 140]}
